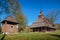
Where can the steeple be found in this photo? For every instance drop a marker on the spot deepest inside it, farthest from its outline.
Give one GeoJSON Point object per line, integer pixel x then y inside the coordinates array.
{"type": "Point", "coordinates": [41, 15]}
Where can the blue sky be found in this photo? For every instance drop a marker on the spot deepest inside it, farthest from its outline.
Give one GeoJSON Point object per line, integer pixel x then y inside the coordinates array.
{"type": "Point", "coordinates": [31, 8]}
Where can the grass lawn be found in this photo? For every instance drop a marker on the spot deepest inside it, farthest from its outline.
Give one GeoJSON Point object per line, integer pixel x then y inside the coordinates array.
{"type": "Point", "coordinates": [33, 36]}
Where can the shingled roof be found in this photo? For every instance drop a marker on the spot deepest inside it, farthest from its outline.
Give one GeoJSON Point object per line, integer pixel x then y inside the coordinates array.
{"type": "Point", "coordinates": [41, 22]}
{"type": "Point", "coordinates": [10, 19]}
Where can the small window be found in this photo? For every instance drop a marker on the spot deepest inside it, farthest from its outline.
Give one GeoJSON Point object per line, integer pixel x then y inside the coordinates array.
{"type": "Point", "coordinates": [11, 26]}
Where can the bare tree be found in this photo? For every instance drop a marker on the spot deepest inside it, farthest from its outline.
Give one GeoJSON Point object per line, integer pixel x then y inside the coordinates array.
{"type": "Point", "coordinates": [53, 16]}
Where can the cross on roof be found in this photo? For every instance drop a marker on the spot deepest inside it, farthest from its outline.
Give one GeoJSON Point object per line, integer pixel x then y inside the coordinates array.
{"type": "Point", "coordinates": [41, 12]}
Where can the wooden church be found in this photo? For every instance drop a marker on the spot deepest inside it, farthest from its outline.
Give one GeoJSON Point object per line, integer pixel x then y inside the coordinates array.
{"type": "Point", "coordinates": [42, 24]}
{"type": "Point", "coordinates": [9, 25]}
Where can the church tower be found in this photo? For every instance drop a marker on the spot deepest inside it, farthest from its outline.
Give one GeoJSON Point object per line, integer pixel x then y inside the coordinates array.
{"type": "Point", "coordinates": [41, 15]}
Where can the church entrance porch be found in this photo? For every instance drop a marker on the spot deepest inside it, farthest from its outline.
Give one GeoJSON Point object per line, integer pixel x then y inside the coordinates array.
{"type": "Point", "coordinates": [41, 29]}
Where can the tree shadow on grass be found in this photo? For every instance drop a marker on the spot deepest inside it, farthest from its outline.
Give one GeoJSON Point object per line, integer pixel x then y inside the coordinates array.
{"type": "Point", "coordinates": [3, 37]}
{"type": "Point", "coordinates": [55, 35]}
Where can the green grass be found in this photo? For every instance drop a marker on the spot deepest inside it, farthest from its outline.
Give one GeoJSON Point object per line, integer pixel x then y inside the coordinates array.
{"type": "Point", "coordinates": [32, 36]}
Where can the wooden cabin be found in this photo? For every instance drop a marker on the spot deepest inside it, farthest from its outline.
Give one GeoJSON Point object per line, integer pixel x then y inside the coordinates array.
{"type": "Point", "coordinates": [42, 24]}
{"type": "Point", "coordinates": [9, 25]}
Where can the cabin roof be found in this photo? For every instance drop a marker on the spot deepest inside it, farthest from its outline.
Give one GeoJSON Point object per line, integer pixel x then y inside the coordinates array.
{"type": "Point", "coordinates": [10, 19]}
{"type": "Point", "coordinates": [41, 23]}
